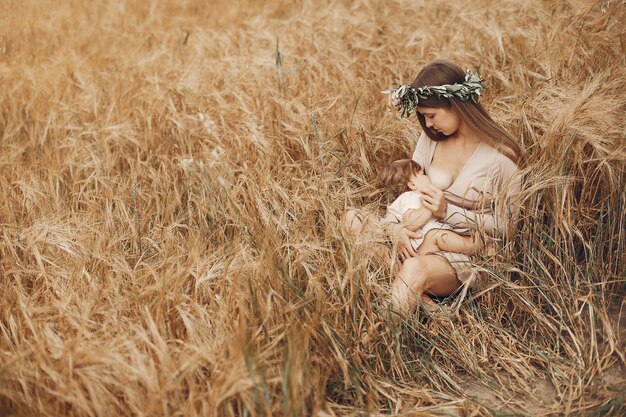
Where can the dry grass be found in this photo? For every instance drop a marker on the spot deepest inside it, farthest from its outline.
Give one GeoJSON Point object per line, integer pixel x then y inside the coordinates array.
{"type": "Point", "coordinates": [170, 196]}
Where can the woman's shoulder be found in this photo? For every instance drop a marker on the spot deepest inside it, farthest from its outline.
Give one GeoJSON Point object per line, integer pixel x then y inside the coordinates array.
{"type": "Point", "coordinates": [423, 139]}
{"type": "Point", "coordinates": [422, 149]}
{"type": "Point", "coordinates": [506, 166]}
{"type": "Point", "coordinates": [503, 156]}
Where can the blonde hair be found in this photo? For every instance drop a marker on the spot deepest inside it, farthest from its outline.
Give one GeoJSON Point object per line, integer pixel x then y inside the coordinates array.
{"type": "Point", "coordinates": [397, 174]}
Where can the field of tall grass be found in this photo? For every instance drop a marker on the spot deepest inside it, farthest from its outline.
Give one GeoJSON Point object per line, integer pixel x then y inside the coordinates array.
{"type": "Point", "coordinates": [172, 178]}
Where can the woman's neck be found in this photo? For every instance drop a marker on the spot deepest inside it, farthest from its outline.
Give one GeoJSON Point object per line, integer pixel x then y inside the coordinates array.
{"type": "Point", "coordinates": [464, 136]}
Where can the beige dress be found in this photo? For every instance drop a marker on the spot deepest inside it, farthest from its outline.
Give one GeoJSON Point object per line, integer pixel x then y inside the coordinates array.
{"type": "Point", "coordinates": [471, 197]}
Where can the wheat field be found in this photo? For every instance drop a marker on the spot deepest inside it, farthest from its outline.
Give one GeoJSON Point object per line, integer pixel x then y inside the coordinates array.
{"type": "Point", "coordinates": [173, 176]}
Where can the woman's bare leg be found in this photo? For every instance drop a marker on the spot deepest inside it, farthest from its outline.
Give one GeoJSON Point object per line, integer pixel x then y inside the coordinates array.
{"type": "Point", "coordinates": [420, 276]}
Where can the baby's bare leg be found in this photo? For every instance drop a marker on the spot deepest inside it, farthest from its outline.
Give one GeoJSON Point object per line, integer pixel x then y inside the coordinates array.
{"type": "Point", "coordinates": [445, 240]}
{"type": "Point", "coordinates": [369, 233]}
{"type": "Point", "coordinates": [353, 221]}
{"type": "Point", "coordinates": [363, 225]}
{"type": "Point", "coordinates": [452, 242]}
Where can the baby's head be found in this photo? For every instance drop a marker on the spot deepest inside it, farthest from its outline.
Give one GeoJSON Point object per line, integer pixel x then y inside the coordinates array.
{"type": "Point", "coordinates": [403, 175]}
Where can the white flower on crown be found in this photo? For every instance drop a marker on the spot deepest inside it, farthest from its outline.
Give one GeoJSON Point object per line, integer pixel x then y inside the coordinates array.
{"type": "Point", "coordinates": [395, 99]}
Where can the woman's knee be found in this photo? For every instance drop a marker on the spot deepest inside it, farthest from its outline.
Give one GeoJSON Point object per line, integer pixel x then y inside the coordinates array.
{"type": "Point", "coordinates": [422, 275]}
{"type": "Point", "coordinates": [408, 285]}
{"type": "Point", "coordinates": [413, 265]}
{"type": "Point", "coordinates": [412, 273]}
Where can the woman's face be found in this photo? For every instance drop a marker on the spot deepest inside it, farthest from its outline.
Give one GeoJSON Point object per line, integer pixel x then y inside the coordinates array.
{"type": "Point", "coordinates": [445, 121]}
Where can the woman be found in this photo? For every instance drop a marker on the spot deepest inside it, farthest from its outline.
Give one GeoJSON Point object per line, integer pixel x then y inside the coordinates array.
{"type": "Point", "coordinates": [468, 157]}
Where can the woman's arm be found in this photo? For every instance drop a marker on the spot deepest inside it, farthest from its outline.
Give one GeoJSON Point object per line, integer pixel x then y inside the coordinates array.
{"type": "Point", "coordinates": [401, 237]}
{"type": "Point", "coordinates": [459, 217]}
{"type": "Point", "coordinates": [495, 224]}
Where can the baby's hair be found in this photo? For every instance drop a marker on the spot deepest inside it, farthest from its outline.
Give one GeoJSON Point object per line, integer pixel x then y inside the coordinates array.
{"type": "Point", "coordinates": [397, 174]}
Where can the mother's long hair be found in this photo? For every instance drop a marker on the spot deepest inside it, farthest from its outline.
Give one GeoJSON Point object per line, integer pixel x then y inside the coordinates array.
{"type": "Point", "coordinates": [473, 114]}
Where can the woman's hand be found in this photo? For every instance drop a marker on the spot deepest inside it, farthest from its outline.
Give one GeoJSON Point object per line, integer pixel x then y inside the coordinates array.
{"type": "Point", "coordinates": [434, 201]}
{"type": "Point", "coordinates": [401, 236]}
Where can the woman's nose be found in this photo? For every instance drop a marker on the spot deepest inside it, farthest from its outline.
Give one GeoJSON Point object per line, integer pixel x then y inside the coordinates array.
{"type": "Point", "coordinates": [428, 123]}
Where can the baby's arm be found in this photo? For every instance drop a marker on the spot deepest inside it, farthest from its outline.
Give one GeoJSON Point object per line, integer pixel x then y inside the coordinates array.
{"type": "Point", "coordinates": [415, 219]}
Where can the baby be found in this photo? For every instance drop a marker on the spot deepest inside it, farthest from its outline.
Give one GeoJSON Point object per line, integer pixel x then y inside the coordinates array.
{"type": "Point", "coordinates": [408, 176]}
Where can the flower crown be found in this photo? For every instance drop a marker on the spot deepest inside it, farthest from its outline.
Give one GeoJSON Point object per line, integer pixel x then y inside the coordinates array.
{"type": "Point", "coordinates": [406, 98]}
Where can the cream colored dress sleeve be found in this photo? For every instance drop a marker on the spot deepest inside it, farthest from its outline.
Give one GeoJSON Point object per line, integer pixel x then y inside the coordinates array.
{"type": "Point", "coordinates": [481, 179]}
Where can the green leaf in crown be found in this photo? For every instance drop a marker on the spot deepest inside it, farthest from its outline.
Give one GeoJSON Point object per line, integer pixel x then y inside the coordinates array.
{"type": "Point", "coordinates": [406, 98]}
